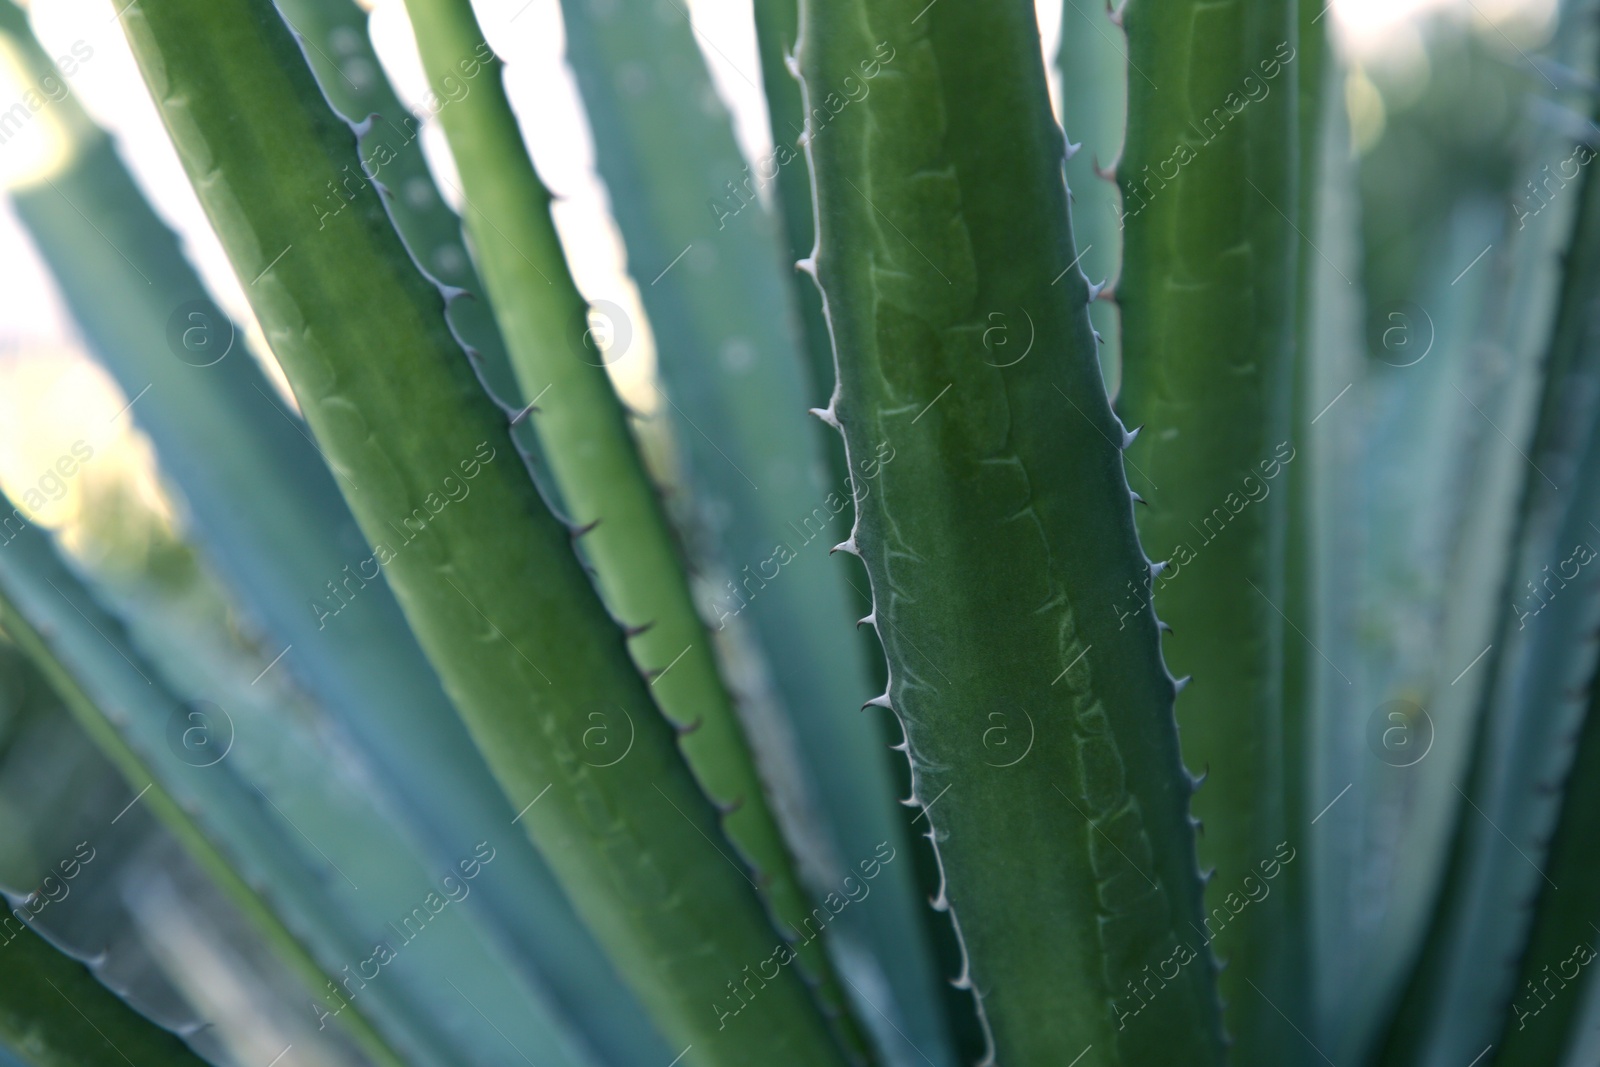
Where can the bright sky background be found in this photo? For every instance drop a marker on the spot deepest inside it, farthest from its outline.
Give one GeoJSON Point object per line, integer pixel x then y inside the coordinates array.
{"type": "Point", "coordinates": [51, 394]}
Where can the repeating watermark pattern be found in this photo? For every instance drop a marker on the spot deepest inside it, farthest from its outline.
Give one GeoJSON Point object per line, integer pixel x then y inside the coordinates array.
{"type": "Point", "coordinates": [742, 193]}
{"type": "Point", "coordinates": [454, 890]}
{"type": "Point", "coordinates": [53, 888]}
{"type": "Point", "coordinates": [1543, 190]}
{"type": "Point", "coordinates": [1143, 991]}
{"type": "Point", "coordinates": [48, 90]}
{"type": "Point", "coordinates": [1582, 555]}
{"type": "Point", "coordinates": [1140, 190]}
{"type": "Point", "coordinates": [1581, 956]}
{"type": "Point", "coordinates": [200, 733]}
{"type": "Point", "coordinates": [50, 486]}
{"type": "Point", "coordinates": [784, 954]}
{"type": "Point", "coordinates": [1400, 733]}
{"type": "Point", "coordinates": [818, 522]}
{"type": "Point", "coordinates": [199, 333]}
{"type": "Point", "coordinates": [455, 490]}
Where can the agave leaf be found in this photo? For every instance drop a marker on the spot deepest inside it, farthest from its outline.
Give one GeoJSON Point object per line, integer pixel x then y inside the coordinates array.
{"type": "Point", "coordinates": [53, 1013]}
{"type": "Point", "coordinates": [1325, 499]}
{"type": "Point", "coordinates": [339, 50]}
{"type": "Point", "coordinates": [488, 578]}
{"type": "Point", "coordinates": [584, 429]}
{"type": "Point", "coordinates": [1000, 537]}
{"type": "Point", "coordinates": [294, 557]}
{"type": "Point", "coordinates": [777, 28]}
{"type": "Point", "coordinates": [1094, 110]}
{"type": "Point", "coordinates": [63, 862]}
{"type": "Point", "coordinates": [1320, 542]}
{"type": "Point", "coordinates": [278, 811]}
{"type": "Point", "coordinates": [735, 386]}
{"type": "Point", "coordinates": [1299, 671]}
{"type": "Point", "coordinates": [1502, 896]}
{"type": "Point", "coordinates": [272, 743]}
{"type": "Point", "coordinates": [1421, 543]}
{"type": "Point", "coordinates": [57, 623]}
{"type": "Point", "coordinates": [1548, 998]}
{"type": "Point", "coordinates": [1207, 298]}
{"type": "Point", "coordinates": [1492, 519]}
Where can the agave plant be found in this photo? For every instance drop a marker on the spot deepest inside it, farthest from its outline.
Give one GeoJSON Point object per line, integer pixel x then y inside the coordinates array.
{"type": "Point", "coordinates": [466, 715]}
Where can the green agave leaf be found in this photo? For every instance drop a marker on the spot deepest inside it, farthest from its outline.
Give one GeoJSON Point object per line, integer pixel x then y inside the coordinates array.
{"type": "Point", "coordinates": [1422, 442]}
{"type": "Point", "coordinates": [1547, 994]}
{"type": "Point", "coordinates": [777, 29]}
{"type": "Point", "coordinates": [63, 863]}
{"type": "Point", "coordinates": [735, 386]}
{"type": "Point", "coordinates": [53, 1013]}
{"type": "Point", "coordinates": [338, 48]}
{"type": "Point", "coordinates": [1504, 900]}
{"type": "Point", "coordinates": [84, 654]}
{"type": "Point", "coordinates": [370, 876]}
{"type": "Point", "coordinates": [1000, 538]}
{"type": "Point", "coordinates": [1301, 665]}
{"type": "Point", "coordinates": [293, 555]}
{"type": "Point", "coordinates": [584, 429]}
{"type": "Point", "coordinates": [308, 870]}
{"type": "Point", "coordinates": [1326, 501]}
{"type": "Point", "coordinates": [1493, 520]}
{"type": "Point", "coordinates": [1207, 295]}
{"type": "Point", "coordinates": [1094, 109]}
{"type": "Point", "coordinates": [1320, 534]}
{"type": "Point", "coordinates": [487, 578]}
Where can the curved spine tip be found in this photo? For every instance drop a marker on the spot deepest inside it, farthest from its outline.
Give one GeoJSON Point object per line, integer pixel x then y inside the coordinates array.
{"type": "Point", "coordinates": [826, 415]}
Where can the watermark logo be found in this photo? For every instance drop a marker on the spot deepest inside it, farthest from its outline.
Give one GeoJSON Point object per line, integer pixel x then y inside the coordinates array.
{"type": "Point", "coordinates": [608, 734]}
{"type": "Point", "coordinates": [602, 333]}
{"type": "Point", "coordinates": [1402, 336]}
{"type": "Point", "coordinates": [999, 344]}
{"type": "Point", "coordinates": [1400, 733]}
{"type": "Point", "coordinates": [999, 742]}
{"type": "Point", "coordinates": [199, 333]}
{"type": "Point", "coordinates": [199, 733]}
